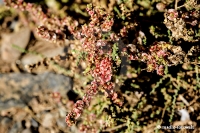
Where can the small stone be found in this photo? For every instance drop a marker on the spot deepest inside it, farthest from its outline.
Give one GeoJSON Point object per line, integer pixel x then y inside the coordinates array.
{"type": "Point", "coordinates": [26, 131]}
{"type": "Point", "coordinates": [185, 116]}
{"type": "Point", "coordinates": [44, 49]}
{"type": "Point", "coordinates": [62, 111]}
{"type": "Point", "coordinates": [48, 120]}
{"type": "Point", "coordinates": [34, 123]}
{"type": "Point", "coordinates": [61, 123]}
{"type": "Point", "coordinates": [12, 43]}
{"type": "Point", "coordinates": [5, 121]}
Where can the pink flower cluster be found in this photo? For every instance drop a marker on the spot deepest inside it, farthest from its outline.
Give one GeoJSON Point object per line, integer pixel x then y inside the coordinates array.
{"type": "Point", "coordinates": [173, 14]}
{"type": "Point", "coordinates": [97, 14]}
{"type": "Point", "coordinates": [50, 35]}
{"type": "Point", "coordinates": [19, 4]}
{"type": "Point", "coordinates": [75, 113]}
{"type": "Point", "coordinates": [56, 24]}
{"type": "Point", "coordinates": [92, 34]}
{"type": "Point", "coordinates": [36, 11]}
{"type": "Point", "coordinates": [91, 37]}
{"type": "Point", "coordinates": [156, 58]}
{"type": "Point", "coordinates": [80, 104]}
{"type": "Point", "coordinates": [123, 31]}
{"type": "Point", "coordinates": [103, 70]}
{"type": "Point", "coordinates": [107, 24]}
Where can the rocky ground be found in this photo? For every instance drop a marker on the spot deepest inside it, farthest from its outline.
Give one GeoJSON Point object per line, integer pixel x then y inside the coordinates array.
{"type": "Point", "coordinates": [29, 103]}
{"type": "Point", "coordinates": [40, 81]}
{"type": "Point", "coordinates": [32, 98]}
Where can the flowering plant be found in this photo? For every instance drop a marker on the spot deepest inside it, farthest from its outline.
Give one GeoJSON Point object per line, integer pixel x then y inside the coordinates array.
{"type": "Point", "coordinates": [99, 57]}
{"type": "Point", "coordinates": [118, 44]}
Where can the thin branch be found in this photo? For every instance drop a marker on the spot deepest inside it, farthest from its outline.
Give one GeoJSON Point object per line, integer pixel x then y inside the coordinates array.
{"type": "Point", "coordinates": [115, 128]}
{"type": "Point", "coordinates": [181, 6]}
{"type": "Point", "coordinates": [176, 4]}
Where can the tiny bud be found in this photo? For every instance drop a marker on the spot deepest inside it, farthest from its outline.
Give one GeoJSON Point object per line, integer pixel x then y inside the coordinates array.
{"type": "Point", "coordinates": [173, 14]}
{"type": "Point", "coordinates": [161, 7]}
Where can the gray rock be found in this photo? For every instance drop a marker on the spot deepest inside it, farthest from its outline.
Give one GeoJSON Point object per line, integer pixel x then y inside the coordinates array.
{"type": "Point", "coordinates": [5, 121]}
{"type": "Point", "coordinates": [17, 89]}
{"type": "Point", "coordinates": [11, 103]}
{"type": "Point", "coordinates": [16, 128]}
{"type": "Point", "coordinates": [34, 123]}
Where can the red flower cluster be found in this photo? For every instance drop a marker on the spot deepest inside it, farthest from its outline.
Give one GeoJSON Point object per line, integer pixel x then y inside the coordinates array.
{"type": "Point", "coordinates": [91, 37]}
{"type": "Point", "coordinates": [53, 24]}
{"type": "Point", "coordinates": [173, 14]}
{"type": "Point", "coordinates": [19, 4]}
{"type": "Point", "coordinates": [103, 71]}
{"type": "Point", "coordinates": [75, 113]}
{"type": "Point", "coordinates": [156, 58]}
{"type": "Point", "coordinates": [80, 104]}
{"type": "Point", "coordinates": [50, 35]}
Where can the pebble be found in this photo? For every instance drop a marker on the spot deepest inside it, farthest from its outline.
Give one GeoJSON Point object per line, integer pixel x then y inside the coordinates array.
{"type": "Point", "coordinates": [9, 52]}
{"type": "Point", "coordinates": [48, 120]}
